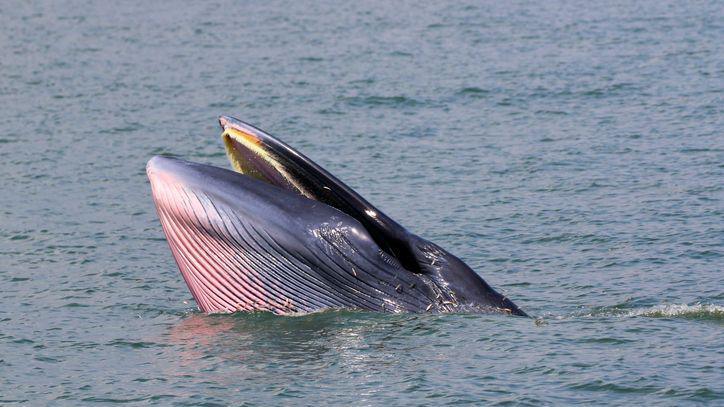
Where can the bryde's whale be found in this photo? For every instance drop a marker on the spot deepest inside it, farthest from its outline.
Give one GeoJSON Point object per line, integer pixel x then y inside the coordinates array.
{"type": "Point", "coordinates": [281, 234]}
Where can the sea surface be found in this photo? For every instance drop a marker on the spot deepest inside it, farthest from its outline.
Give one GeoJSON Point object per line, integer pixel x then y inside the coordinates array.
{"type": "Point", "coordinates": [571, 152]}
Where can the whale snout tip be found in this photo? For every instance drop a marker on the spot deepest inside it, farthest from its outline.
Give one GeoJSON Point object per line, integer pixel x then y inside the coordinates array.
{"type": "Point", "coordinates": [155, 164]}
{"type": "Point", "coordinates": [152, 163]}
{"type": "Point", "coordinates": [224, 121]}
{"type": "Point", "coordinates": [163, 166]}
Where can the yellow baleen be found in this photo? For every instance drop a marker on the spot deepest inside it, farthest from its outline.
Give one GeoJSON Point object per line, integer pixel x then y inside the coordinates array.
{"type": "Point", "coordinates": [235, 140]}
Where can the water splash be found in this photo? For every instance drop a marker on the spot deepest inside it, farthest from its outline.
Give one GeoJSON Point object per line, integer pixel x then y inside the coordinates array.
{"type": "Point", "coordinates": [695, 311]}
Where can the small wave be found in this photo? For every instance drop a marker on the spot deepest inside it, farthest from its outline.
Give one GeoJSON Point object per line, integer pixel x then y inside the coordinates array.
{"type": "Point", "coordinates": [474, 92]}
{"type": "Point", "coordinates": [685, 311]}
{"type": "Point", "coordinates": [380, 101]}
{"type": "Point", "coordinates": [696, 311]}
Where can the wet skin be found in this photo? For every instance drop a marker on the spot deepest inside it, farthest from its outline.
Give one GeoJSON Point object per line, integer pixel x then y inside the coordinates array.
{"type": "Point", "coordinates": [281, 234]}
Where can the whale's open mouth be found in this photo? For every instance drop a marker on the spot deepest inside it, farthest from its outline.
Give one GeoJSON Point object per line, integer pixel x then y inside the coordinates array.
{"type": "Point", "coordinates": [280, 233]}
{"type": "Point", "coordinates": [253, 153]}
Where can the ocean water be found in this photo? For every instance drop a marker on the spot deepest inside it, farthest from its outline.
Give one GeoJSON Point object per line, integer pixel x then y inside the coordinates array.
{"type": "Point", "coordinates": [572, 153]}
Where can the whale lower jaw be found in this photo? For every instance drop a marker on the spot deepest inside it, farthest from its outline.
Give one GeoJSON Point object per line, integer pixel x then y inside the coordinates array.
{"type": "Point", "coordinates": [256, 255]}
{"type": "Point", "coordinates": [244, 245]}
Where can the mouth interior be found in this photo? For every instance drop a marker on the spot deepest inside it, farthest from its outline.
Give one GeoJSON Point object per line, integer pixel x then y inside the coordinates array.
{"type": "Point", "coordinates": [249, 155]}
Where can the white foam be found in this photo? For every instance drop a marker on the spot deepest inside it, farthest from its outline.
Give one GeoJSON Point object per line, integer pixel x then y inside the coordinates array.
{"type": "Point", "coordinates": [676, 310]}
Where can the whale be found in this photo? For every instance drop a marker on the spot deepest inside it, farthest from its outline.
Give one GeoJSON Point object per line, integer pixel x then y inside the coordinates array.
{"type": "Point", "coordinates": [278, 233]}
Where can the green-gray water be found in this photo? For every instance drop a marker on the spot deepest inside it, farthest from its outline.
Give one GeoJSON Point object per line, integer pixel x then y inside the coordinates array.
{"type": "Point", "coordinates": [572, 153]}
